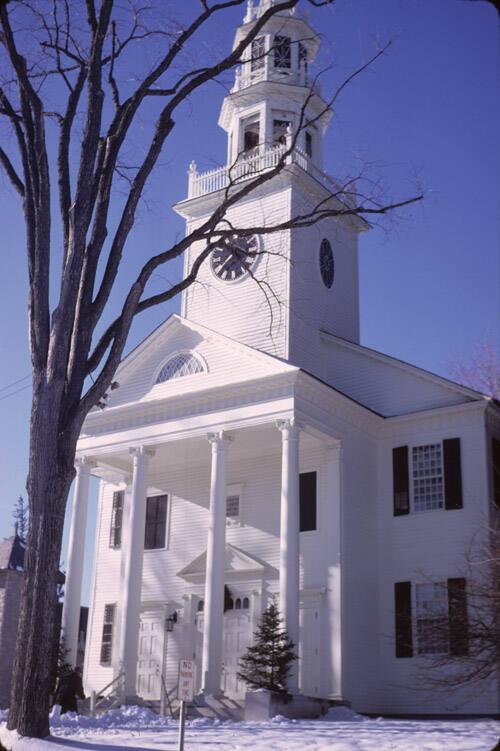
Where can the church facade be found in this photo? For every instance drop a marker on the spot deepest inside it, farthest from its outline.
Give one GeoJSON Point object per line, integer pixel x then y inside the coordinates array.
{"type": "Point", "coordinates": [255, 449]}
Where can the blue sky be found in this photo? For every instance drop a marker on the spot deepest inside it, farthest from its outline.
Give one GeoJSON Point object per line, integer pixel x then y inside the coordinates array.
{"type": "Point", "coordinates": [427, 115]}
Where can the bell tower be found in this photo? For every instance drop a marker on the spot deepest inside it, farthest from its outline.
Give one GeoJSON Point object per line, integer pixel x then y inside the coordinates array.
{"type": "Point", "coordinates": [276, 291]}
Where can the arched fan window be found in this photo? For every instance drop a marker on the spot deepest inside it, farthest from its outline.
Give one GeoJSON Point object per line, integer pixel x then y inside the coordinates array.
{"type": "Point", "coordinates": [180, 365]}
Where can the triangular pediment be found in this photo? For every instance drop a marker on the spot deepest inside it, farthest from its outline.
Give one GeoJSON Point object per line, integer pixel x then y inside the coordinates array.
{"type": "Point", "coordinates": [237, 565]}
{"type": "Point", "coordinates": [223, 361]}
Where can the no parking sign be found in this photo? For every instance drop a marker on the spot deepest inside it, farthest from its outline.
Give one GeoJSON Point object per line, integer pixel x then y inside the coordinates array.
{"type": "Point", "coordinates": [185, 691]}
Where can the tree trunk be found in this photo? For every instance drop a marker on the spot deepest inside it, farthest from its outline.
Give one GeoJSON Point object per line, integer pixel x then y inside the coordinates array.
{"type": "Point", "coordinates": [49, 480]}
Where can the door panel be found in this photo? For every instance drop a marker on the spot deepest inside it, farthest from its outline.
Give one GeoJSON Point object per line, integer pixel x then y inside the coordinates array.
{"type": "Point", "coordinates": [309, 662]}
{"type": "Point", "coordinates": [150, 657]}
{"type": "Point", "coordinates": [236, 639]}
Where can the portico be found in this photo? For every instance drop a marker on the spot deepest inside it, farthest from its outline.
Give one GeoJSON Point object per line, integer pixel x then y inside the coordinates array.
{"type": "Point", "coordinates": [195, 469]}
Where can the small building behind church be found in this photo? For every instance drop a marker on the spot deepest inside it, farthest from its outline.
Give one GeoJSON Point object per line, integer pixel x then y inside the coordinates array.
{"type": "Point", "coordinates": [256, 448]}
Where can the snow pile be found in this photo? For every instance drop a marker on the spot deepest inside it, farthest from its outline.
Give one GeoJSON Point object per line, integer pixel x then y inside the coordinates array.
{"type": "Point", "coordinates": [126, 718]}
{"type": "Point", "coordinates": [343, 714]}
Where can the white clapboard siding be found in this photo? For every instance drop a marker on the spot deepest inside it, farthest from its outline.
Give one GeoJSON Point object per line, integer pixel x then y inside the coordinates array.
{"type": "Point", "coordinates": [423, 547]}
{"type": "Point", "coordinates": [253, 314]}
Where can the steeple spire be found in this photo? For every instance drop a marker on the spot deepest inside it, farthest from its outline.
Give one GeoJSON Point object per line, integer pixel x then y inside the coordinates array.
{"type": "Point", "coordinates": [271, 87]}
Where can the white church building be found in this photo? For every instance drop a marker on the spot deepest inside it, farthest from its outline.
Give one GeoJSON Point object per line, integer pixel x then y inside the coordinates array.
{"type": "Point", "coordinates": [255, 449]}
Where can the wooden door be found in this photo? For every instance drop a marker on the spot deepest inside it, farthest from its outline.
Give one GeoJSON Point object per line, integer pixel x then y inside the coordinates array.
{"type": "Point", "coordinates": [309, 658]}
{"type": "Point", "coordinates": [150, 657]}
{"type": "Point", "coordinates": [236, 639]}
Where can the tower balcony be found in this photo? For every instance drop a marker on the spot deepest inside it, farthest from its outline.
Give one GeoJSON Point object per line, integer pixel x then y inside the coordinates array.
{"type": "Point", "coordinates": [269, 73]}
{"type": "Point", "coordinates": [261, 159]}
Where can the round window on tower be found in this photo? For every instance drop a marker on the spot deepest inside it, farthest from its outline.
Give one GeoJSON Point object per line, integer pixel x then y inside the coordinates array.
{"type": "Point", "coordinates": [326, 263]}
{"type": "Point", "coordinates": [234, 257]}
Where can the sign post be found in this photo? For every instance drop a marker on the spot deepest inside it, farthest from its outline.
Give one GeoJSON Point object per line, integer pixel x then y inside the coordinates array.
{"type": "Point", "coordinates": [185, 693]}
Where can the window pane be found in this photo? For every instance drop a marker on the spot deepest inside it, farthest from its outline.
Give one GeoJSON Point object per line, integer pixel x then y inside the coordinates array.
{"type": "Point", "coordinates": [233, 506]}
{"type": "Point", "coordinates": [309, 144]}
{"type": "Point", "coordinates": [258, 51]}
{"type": "Point", "coordinates": [282, 52]}
{"type": "Point", "coordinates": [427, 470]}
{"type": "Point", "coordinates": [115, 532]}
{"type": "Point", "coordinates": [107, 635]}
{"type": "Point", "coordinates": [251, 136]}
{"type": "Point", "coordinates": [178, 366]}
{"type": "Point", "coordinates": [432, 618]}
{"type": "Point", "coordinates": [307, 490]}
{"type": "Point", "coordinates": [280, 128]}
{"type": "Point", "coordinates": [156, 522]}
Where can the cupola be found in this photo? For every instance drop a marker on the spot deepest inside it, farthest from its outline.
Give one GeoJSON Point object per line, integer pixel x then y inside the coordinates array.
{"type": "Point", "coordinates": [272, 85]}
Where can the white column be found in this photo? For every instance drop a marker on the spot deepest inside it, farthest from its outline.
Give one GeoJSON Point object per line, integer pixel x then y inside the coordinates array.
{"type": "Point", "coordinates": [76, 548]}
{"type": "Point", "coordinates": [214, 583]}
{"type": "Point", "coordinates": [289, 538]}
{"type": "Point", "coordinates": [333, 479]}
{"type": "Point", "coordinates": [132, 556]}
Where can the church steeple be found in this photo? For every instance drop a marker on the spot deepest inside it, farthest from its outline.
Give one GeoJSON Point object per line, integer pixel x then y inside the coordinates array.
{"type": "Point", "coordinates": [312, 272]}
{"type": "Point", "coordinates": [271, 87]}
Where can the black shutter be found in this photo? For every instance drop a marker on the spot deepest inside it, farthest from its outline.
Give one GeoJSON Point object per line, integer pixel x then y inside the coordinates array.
{"type": "Point", "coordinates": [115, 532]}
{"type": "Point", "coordinates": [107, 635]}
{"type": "Point", "coordinates": [307, 500]}
{"type": "Point", "coordinates": [452, 473]}
{"type": "Point", "coordinates": [401, 481]}
{"type": "Point", "coordinates": [404, 636]}
{"type": "Point", "coordinates": [495, 461]}
{"type": "Point", "coordinates": [458, 618]}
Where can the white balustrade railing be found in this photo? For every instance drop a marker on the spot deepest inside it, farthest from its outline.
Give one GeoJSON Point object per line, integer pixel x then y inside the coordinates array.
{"type": "Point", "coordinates": [245, 76]}
{"type": "Point", "coordinates": [251, 164]}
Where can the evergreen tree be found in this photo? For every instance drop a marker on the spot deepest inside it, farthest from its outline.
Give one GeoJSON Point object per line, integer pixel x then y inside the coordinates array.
{"type": "Point", "coordinates": [266, 663]}
{"type": "Point", "coordinates": [20, 516]}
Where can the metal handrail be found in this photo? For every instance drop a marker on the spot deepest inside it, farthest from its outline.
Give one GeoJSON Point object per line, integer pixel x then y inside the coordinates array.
{"type": "Point", "coordinates": [165, 697]}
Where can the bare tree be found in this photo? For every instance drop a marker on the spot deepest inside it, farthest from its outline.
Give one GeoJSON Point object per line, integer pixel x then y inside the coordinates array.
{"type": "Point", "coordinates": [66, 66]}
{"type": "Point", "coordinates": [464, 643]}
{"type": "Point", "coordinates": [481, 372]}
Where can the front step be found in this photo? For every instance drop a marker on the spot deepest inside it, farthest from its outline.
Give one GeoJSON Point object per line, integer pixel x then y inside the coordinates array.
{"type": "Point", "coordinates": [220, 708]}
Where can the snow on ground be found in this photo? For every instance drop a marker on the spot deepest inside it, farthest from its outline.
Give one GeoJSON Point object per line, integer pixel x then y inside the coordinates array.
{"type": "Point", "coordinates": [139, 729]}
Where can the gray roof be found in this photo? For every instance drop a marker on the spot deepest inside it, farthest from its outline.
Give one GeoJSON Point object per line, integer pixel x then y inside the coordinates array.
{"type": "Point", "coordinates": [12, 553]}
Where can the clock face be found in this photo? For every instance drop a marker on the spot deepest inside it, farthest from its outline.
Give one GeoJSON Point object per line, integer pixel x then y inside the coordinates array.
{"type": "Point", "coordinates": [326, 263]}
{"type": "Point", "coordinates": [234, 257]}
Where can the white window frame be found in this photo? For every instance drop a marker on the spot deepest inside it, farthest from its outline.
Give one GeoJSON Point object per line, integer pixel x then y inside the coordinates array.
{"type": "Point", "coordinates": [232, 490]}
{"type": "Point", "coordinates": [411, 478]}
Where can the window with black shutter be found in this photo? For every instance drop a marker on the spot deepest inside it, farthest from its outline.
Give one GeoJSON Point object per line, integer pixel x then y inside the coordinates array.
{"type": "Point", "coordinates": [495, 462]}
{"type": "Point", "coordinates": [156, 522]}
{"type": "Point", "coordinates": [400, 480]}
{"type": "Point", "coordinates": [308, 501]}
{"type": "Point", "coordinates": [403, 624]}
{"type": "Point", "coordinates": [458, 617]}
{"type": "Point", "coordinates": [452, 474]}
{"type": "Point", "coordinates": [115, 532]}
{"type": "Point", "coordinates": [107, 635]}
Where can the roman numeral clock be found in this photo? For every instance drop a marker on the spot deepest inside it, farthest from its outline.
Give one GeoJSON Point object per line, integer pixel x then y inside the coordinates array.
{"type": "Point", "coordinates": [234, 257]}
